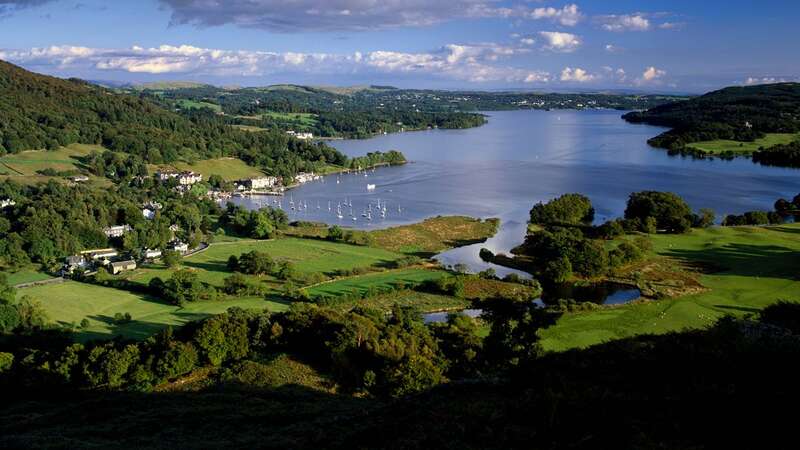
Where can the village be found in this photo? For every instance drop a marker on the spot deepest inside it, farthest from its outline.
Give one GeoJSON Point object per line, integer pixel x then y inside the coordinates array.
{"type": "Point", "coordinates": [116, 262]}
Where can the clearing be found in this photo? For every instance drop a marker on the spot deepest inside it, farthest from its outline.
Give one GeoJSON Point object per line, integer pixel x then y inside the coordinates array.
{"type": "Point", "coordinates": [229, 169]}
{"type": "Point", "coordinates": [722, 145]}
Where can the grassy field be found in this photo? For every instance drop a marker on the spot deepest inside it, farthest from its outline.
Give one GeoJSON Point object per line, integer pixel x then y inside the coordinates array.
{"type": "Point", "coordinates": [63, 159]}
{"type": "Point", "coordinates": [374, 280]}
{"type": "Point", "coordinates": [70, 302]}
{"type": "Point", "coordinates": [192, 104]}
{"type": "Point", "coordinates": [743, 269]}
{"type": "Point", "coordinates": [435, 235]}
{"type": "Point", "coordinates": [228, 168]}
{"type": "Point", "coordinates": [423, 301]}
{"type": "Point", "coordinates": [26, 275]}
{"type": "Point", "coordinates": [723, 145]}
{"type": "Point", "coordinates": [308, 255]}
{"type": "Point", "coordinates": [306, 119]}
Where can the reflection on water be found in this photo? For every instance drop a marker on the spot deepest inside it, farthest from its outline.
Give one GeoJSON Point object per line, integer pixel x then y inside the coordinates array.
{"type": "Point", "coordinates": [523, 157]}
{"type": "Point", "coordinates": [601, 293]}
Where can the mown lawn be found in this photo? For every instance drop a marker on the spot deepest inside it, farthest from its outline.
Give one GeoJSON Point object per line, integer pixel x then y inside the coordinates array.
{"type": "Point", "coordinates": [743, 270]}
{"type": "Point", "coordinates": [308, 255]}
{"type": "Point", "coordinates": [722, 145]}
{"type": "Point", "coordinates": [374, 280]}
{"type": "Point", "coordinates": [71, 302]}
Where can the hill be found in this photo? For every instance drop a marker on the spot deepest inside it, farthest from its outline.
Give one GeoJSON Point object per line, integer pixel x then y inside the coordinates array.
{"type": "Point", "coordinates": [736, 114]}
{"type": "Point", "coordinates": [43, 112]}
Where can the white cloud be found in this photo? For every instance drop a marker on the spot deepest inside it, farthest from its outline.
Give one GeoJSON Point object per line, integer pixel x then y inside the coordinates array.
{"type": "Point", "coordinates": [624, 22]}
{"type": "Point", "coordinates": [651, 75]}
{"type": "Point", "coordinates": [353, 15]}
{"type": "Point", "coordinates": [611, 48]}
{"type": "Point", "coordinates": [568, 16]}
{"type": "Point", "coordinates": [527, 41]}
{"type": "Point", "coordinates": [560, 42]}
{"type": "Point", "coordinates": [671, 25]}
{"type": "Point", "coordinates": [767, 80]}
{"type": "Point", "coordinates": [471, 63]}
{"type": "Point", "coordinates": [576, 75]}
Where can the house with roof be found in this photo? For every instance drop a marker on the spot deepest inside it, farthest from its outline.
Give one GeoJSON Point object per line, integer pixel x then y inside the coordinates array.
{"type": "Point", "coordinates": [122, 266]}
{"type": "Point", "coordinates": [117, 230]}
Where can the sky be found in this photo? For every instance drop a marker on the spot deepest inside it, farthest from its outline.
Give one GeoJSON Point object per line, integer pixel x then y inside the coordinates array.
{"type": "Point", "coordinates": [643, 45]}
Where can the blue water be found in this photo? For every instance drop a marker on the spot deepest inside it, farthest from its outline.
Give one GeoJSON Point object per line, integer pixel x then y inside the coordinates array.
{"type": "Point", "coordinates": [523, 157]}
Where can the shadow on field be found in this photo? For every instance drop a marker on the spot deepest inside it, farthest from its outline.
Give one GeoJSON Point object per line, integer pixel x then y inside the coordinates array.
{"type": "Point", "coordinates": [744, 259]}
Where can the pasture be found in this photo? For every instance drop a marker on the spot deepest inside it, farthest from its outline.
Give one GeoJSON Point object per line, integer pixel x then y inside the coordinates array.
{"type": "Point", "coordinates": [722, 145]}
{"type": "Point", "coordinates": [27, 163]}
{"type": "Point", "coordinates": [228, 168]}
{"type": "Point", "coordinates": [308, 255]}
{"type": "Point", "coordinates": [743, 269]}
{"type": "Point", "coordinates": [70, 302]}
{"type": "Point", "coordinates": [363, 283]}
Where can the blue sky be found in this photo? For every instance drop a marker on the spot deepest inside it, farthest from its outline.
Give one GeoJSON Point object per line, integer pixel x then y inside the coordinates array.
{"type": "Point", "coordinates": [685, 46]}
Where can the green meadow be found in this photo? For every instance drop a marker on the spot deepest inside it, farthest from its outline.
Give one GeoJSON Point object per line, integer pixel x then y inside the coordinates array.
{"type": "Point", "coordinates": [722, 145]}
{"type": "Point", "coordinates": [743, 269]}
{"type": "Point", "coordinates": [63, 159]}
{"type": "Point", "coordinates": [70, 302]}
{"type": "Point", "coordinates": [192, 104]}
{"type": "Point", "coordinates": [363, 283]}
{"type": "Point", "coordinates": [308, 255]}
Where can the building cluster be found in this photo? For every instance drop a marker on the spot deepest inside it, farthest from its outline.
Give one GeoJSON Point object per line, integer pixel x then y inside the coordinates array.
{"type": "Point", "coordinates": [305, 177]}
{"type": "Point", "coordinates": [117, 230]}
{"type": "Point", "coordinates": [302, 136]}
{"type": "Point", "coordinates": [88, 261]}
{"type": "Point", "coordinates": [254, 184]}
{"type": "Point", "coordinates": [185, 178]}
{"type": "Point", "coordinates": [6, 203]}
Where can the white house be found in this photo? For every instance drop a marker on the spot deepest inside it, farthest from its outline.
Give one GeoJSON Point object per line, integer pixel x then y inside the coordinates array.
{"type": "Point", "coordinates": [117, 230]}
{"type": "Point", "coordinates": [303, 136]}
{"type": "Point", "coordinates": [102, 253]}
{"type": "Point", "coordinates": [148, 213]}
{"type": "Point", "coordinates": [152, 254]}
{"type": "Point", "coordinates": [186, 178]}
{"type": "Point", "coordinates": [122, 266]}
{"type": "Point", "coordinates": [179, 246]}
{"type": "Point", "coordinates": [305, 177]}
{"type": "Point", "coordinates": [79, 178]}
{"type": "Point", "coordinates": [260, 183]}
{"type": "Point", "coordinates": [6, 202]}
{"type": "Point", "coordinates": [189, 178]}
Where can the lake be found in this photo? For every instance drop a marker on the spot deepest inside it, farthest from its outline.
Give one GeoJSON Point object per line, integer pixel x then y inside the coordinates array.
{"type": "Point", "coordinates": [522, 157]}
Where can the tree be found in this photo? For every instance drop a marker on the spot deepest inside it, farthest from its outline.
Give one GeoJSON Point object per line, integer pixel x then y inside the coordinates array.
{"type": "Point", "coordinates": [7, 293]}
{"type": "Point", "coordinates": [171, 258]}
{"type": "Point", "coordinates": [255, 263]}
{"type": "Point", "coordinates": [670, 212]}
{"type": "Point", "coordinates": [558, 270]}
{"type": "Point", "coordinates": [182, 287]}
{"type": "Point", "coordinates": [335, 233]}
{"type": "Point", "coordinates": [567, 209]}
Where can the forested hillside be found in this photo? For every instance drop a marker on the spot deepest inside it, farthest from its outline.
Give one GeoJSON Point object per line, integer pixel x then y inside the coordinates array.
{"type": "Point", "coordinates": [42, 112]}
{"type": "Point", "coordinates": [735, 113]}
